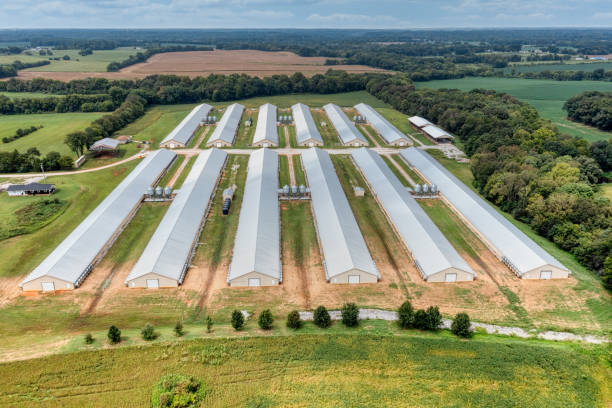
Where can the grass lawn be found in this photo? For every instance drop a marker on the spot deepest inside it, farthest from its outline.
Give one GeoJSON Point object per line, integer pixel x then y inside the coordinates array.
{"type": "Point", "coordinates": [328, 132]}
{"type": "Point", "coordinates": [181, 178]}
{"type": "Point", "coordinates": [300, 177]}
{"type": "Point", "coordinates": [395, 171]}
{"type": "Point", "coordinates": [292, 136]}
{"type": "Point", "coordinates": [605, 189]}
{"type": "Point", "coordinates": [551, 66]}
{"type": "Point", "coordinates": [244, 137]}
{"type": "Point", "coordinates": [398, 159]}
{"type": "Point", "coordinates": [546, 96]}
{"type": "Point", "coordinates": [313, 100]}
{"type": "Point", "coordinates": [48, 139]}
{"type": "Point", "coordinates": [96, 62]}
{"type": "Point", "coordinates": [298, 233]}
{"type": "Point", "coordinates": [283, 176]}
{"type": "Point", "coordinates": [16, 95]}
{"type": "Point", "coordinates": [170, 172]}
{"type": "Point", "coordinates": [375, 366]}
{"type": "Point", "coordinates": [282, 141]}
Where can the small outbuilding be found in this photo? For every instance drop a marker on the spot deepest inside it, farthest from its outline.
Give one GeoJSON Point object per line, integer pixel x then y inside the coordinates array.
{"type": "Point", "coordinates": [105, 145]}
{"type": "Point", "coordinates": [30, 189]}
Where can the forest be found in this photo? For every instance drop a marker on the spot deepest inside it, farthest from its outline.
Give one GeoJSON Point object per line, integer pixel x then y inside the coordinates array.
{"type": "Point", "coordinates": [592, 108]}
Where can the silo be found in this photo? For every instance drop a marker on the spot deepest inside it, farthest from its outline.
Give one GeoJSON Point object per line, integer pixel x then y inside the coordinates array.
{"type": "Point", "coordinates": [286, 189]}
{"type": "Point", "coordinates": [294, 190]}
{"type": "Point", "coordinates": [168, 191]}
{"type": "Point", "coordinates": [159, 191]}
{"type": "Point", "coordinates": [418, 189]}
{"type": "Point", "coordinates": [434, 189]}
{"type": "Point", "coordinates": [425, 189]}
{"type": "Point", "coordinates": [302, 189]}
{"type": "Point", "coordinates": [149, 192]}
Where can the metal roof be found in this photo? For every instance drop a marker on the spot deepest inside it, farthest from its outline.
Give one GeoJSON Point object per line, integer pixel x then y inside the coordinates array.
{"type": "Point", "coordinates": [72, 259]}
{"type": "Point", "coordinates": [106, 143]}
{"type": "Point", "coordinates": [185, 130]}
{"type": "Point", "coordinates": [387, 131]}
{"type": "Point", "coordinates": [31, 187]}
{"type": "Point", "coordinates": [419, 121]}
{"type": "Point", "coordinates": [257, 243]}
{"type": "Point", "coordinates": [228, 125]}
{"type": "Point", "coordinates": [522, 253]}
{"type": "Point", "coordinates": [346, 130]}
{"type": "Point", "coordinates": [266, 125]}
{"type": "Point", "coordinates": [169, 250]}
{"type": "Point", "coordinates": [343, 246]}
{"type": "Point", "coordinates": [306, 129]}
{"type": "Point", "coordinates": [436, 132]}
{"type": "Point", "coordinates": [431, 251]}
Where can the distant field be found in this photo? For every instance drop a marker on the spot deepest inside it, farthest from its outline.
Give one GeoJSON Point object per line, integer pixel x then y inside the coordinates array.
{"type": "Point", "coordinates": [569, 66]}
{"type": "Point", "coordinates": [15, 95]}
{"type": "Point", "coordinates": [546, 96]}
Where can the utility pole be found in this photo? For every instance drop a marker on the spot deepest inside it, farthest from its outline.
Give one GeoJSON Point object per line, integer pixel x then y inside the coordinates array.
{"type": "Point", "coordinates": [43, 172]}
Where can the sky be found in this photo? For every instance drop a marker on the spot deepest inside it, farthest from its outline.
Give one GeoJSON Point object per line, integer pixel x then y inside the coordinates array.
{"type": "Point", "coordinates": [376, 14]}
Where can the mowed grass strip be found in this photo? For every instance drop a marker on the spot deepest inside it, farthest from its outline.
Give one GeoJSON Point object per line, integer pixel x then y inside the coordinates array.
{"type": "Point", "coordinates": [181, 178]}
{"type": "Point", "coordinates": [299, 236]}
{"type": "Point", "coordinates": [284, 178]}
{"type": "Point", "coordinates": [300, 177]}
{"type": "Point", "coordinates": [395, 171]}
{"type": "Point", "coordinates": [282, 140]}
{"type": "Point", "coordinates": [244, 137]}
{"type": "Point", "coordinates": [292, 136]}
{"type": "Point", "coordinates": [321, 370]}
{"type": "Point", "coordinates": [413, 175]}
{"type": "Point", "coordinates": [172, 170]}
{"type": "Point", "coordinates": [328, 132]}
{"type": "Point", "coordinates": [371, 134]}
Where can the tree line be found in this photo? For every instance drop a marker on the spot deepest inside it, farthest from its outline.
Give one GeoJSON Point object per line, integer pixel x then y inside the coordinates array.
{"type": "Point", "coordinates": [19, 133]}
{"type": "Point", "coordinates": [11, 70]}
{"type": "Point", "coordinates": [570, 75]}
{"type": "Point", "coordinates": [31, 160]}
{"type": "Point", "coordinates": [57, 104]}
{"type": "Point", "coordinates": [592, 108]}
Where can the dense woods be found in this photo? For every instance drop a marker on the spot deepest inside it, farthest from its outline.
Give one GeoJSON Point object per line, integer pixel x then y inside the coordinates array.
{"type": "Point", "coordinates": [10, 70]}
{"type": "Point", "coordinates": [592, 108]}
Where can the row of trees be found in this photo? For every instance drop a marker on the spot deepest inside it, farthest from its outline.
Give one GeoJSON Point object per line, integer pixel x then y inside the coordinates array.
{"type": "Point", "coordinates": [57, 104]}
{"type": "Point", "coordinates": [523, 164]}
{"type": "Point", "coordinates": [31, 160]}
{"type": "Point", "coordinates": [596, 75]}
{"type": "Point", "coordinates": [19, 133]}
{"type": "Point", "coordinates": [10, 70]}
{"type": "Point", "coordinates": [592, 108]}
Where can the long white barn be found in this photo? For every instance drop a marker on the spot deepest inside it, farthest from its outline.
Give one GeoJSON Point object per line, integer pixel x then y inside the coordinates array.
{"type": "Point", "coordinates": [390, 134]}
{"type": "Point", "coordinates": [266, 132]}
{"type": "Point", "coordinates": [346, 255]}
{"type": "Point", "coordinates": [72, 260]}
{"type": "Point", "coordinates": [225, 132]}
{"type": "Point", "coordinates": [433, 255]}
{"type": "Point", "coordinates": [182, 134]}
{"type": "Point", "coordinates": [526, 258]}
{"type": "Point", "coordinates": [256, 260]}
{"type": "Point", "coordinates": [348, 133]}
{"type": "Point", "coordinates": [306, 130]}
{"type": "Point", "coordinates": [166, 258]}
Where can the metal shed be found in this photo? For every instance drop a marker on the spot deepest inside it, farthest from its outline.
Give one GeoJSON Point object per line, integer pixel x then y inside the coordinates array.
{"type": "Point", "coordinates": [433, 255]}
{"type": "Point", "coordinates": [387, 131]}
{"type": "Point", "coordinates": [105, 144]}
{"type": "Point", "coordinates": [266, 134]}
{"type": "Point", "coordinates": [526, 258]}
{"type": "Point", "coordinates": [226, 129]}
{"type": "Point", "coordinates": [256, 259]}
{"type": "Point", "coordinates": [346, 255]}
{"type": "Point", "coordinates": [437, 134]}
{"type": "Point", "coordinates": [166, 258]}
{"type": "Point", "coordinates": [418, 122]}
{"type": "Point", "coordinates": [72, 260]}
{"type": "Point", "coordinates": [348, 133]}
{"type": "Point", "coordinates": [307, 133]}
{"type": "Point", "coordinates": [182, 134]}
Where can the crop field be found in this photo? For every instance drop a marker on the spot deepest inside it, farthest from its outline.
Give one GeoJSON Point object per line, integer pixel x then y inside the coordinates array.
{"type": "Point", "coordinates": [569, 66]}
{"type": "Point", "coordinates": [546, 96]}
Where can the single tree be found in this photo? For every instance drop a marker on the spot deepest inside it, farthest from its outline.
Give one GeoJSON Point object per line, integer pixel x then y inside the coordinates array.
{"type": "Point", "coordinates": [350, 315]}
{"type": "Point", "coordinates": [89, 338]}
{"type": "Point", "coordinates": [178, 329]}
{"type": "Point", "coordinates": [265, 319]}
{"type": "Point", "coordinates": [420, 319]}
{"type": "Point", "coordinates": [114, 335]}
{"type": "Point", "coordinates": [209, 324]}
{"type": "Point", "coordinates": [321, 317]}
{"type": "Point", "coordinates": [461, 326]}
{"type": "Point", "coordinates": [434, 318]}
{"type": "Point", "coordinates": [237, 320]}
{"type": "Point", "coordinates": [405, 315]}
{"type": "Point", "coordinates": [148, 332]}
{"type": "Point", "coordinates": [293, 320]}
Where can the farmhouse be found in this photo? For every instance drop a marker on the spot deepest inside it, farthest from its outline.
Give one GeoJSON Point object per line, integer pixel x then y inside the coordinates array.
{"type": "Point", "coordinates": [256, 258]}
{"type": "Point", "coordinates": [345, 253]}
{"type": "Point", "coordinates": [226, 129]}
{"type": "Point", "coordinates": [348, 133]}
{"type": "Point", "coordinates": [390, 134]}
{"type": "Point", "coordinates": [307, 133]}
{"type": "Point", "coordinates": [433, 255]}
{"type": "Point", "coordinates": [105, 145]}
{"type": "Point", "coordinates": [266, 134]}
{"type": "Point", "coordinates": [168, 254]}
{"type": "Point", "coordinates": [72, 260]}
{"type": "Point", "coordinates": [30, 189]}
{"type": "Point", "coordinates": [526, 258]}
{"type": "Point", "coordinates": [182, 134]}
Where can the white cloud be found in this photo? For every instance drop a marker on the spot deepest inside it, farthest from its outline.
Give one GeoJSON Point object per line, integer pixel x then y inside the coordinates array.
{"type": "Point", "coordinates": [353, 20]}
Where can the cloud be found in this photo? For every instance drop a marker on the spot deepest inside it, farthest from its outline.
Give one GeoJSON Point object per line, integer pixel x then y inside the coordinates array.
{"type": "Point", "coordinates": [352, 20]}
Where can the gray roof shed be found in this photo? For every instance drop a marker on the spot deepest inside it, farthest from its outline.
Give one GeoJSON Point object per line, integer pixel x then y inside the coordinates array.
{"type": "Point", "coordinates": [228, 125]}
{"type": "Point", "coordinates": [306, 129]}
{"type": "Point", "coordinates": [184, 131]}
{"type": "Point", "coordinates": [346, 130]}
{"type": "Point", "coordinates": [266, 125]}
{"type": "Point", "coordinates": [387, 131]}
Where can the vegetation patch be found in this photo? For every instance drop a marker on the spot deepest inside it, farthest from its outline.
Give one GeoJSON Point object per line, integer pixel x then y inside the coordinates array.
{"type": "Point", "coordinates": [32, 217]}
{"type": "Point", "coordinates": [177, 391]}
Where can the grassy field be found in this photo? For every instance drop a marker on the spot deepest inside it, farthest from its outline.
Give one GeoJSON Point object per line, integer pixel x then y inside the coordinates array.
{"type": "Point", "coordinates": [315, 100]}
{"type": "Point", "coordinates": [300, 177]}
{"type": "Point", "coordinates": [377, 366]}
{"type": "Point", "coordinates": [576, 66]}
{"type": "Point", "coordinates": [328, 132]}
{"type": "Point", "coordinates": [16, 95]}
{"type": "Point", "coordinates": [172, 170]}
{"type": "Point", "coordinates": [395, 171]}
{"type": "Point", "coordinates": [95, 62]}
{"type": "Point", "coordinates": [283, 176]}
{"type": "Point", "coordinates": [244, 137]}
{"type": "Point", "coordinates": [51, 137]}
{"type": "Point", "coordinates": [546, 96]}
{"type": "Point", "coordinates": [181, 178]}
{"type": "Point", "coordinates": [413, 175]}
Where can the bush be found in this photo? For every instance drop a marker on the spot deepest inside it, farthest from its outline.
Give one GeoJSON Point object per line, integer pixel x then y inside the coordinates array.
{"type": "Point", "coordinates": [434, 318]}
{"type": "Point", "coordinates": [89, 338]}
{"type": "Point", "coordinates": [461, 326]}
{"type": "Point", "coordinates": [148, 332]}
{"type": "Point", "coordinates": [177, 391]}
{"type": "Point", "coordinates": [114, 335]}
{"type": "Point", "coordinates": [265, 319]}
{"type": "Point", "coordinates": [405, 315]}
{"type": "Point", "coordinates": [178, 329]}
{"type": "Point", "coordinates": [293, 320]}
{"type": "Point", "coordinates": [237, 320]}
{"type": "Point", "coordinates": [350, 315]}
{"type": "Point", "coordinates": [420, 319]}
{"type": "Point", "coordinates": [209, 324]}
{"type": "Point", "coordinates": [321, 317]}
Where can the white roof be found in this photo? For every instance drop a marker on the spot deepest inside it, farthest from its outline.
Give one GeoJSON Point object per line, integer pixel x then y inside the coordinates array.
{"type": "Point", "coordinates": [257, 243]}
{"type": "Point", "coordinates": [266, 125]}
{"type": "Point", "coordinates": [522, 253]}
{"type": "Point", "coordinates": [419, 121]}
{"type": "Point", "coordinates": [185, 130]}
{"type": "Point", "coordinates": [436, 132]}
{"type": "Point", "coordinates": [228, 125]}
{"type": "Point", "coordinates": [431, 251]}
{"type": "Point", "coordinates": [72, 259]}
{"type": "Point", "coordinates": [387, 131]}
{"type": "Point", "coordinates": [305, 127]}
{"type": "Point", "coordinates": [346, 130]}
{"type": "Point", "coordinates": [343, 245]}
{"type": "Point", "coordinates": [169, 250]}
{"type": "Point", "coordinates": [106, 142]}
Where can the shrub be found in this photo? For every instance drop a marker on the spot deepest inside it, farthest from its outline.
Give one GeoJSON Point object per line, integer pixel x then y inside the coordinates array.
{"type": "Point", "coordinates": [321, 317]}
{"type": "Point", "coordinates": [350, 315]}
{"type": "Point", "coordinates": [461, 326]}
{"type": "Point", "coordinates": [177, 391]}
{"type": "Point", "coordinates": [293, 320]}
{"type": "Point", "coordinates": [420, 319]}
{"type": "Point", "coordinates": [148, 332]}
{"type": "Point", "coordinates": [114, 334]}
{"type": "Point", "coordinates": [209, 324]}
{"type": "Point", "coordinates": [434, 318]}
{"type": "Point", "coordinates": [405, 315]}
{"type": "Point", "coordinates": [178, 329]}
{"type": "Point", "coordinates": [265, 319]}
{"type": "Point", "coordinates": [237, 320]}
{"type": "Point", "coordinates": [89, 338]}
